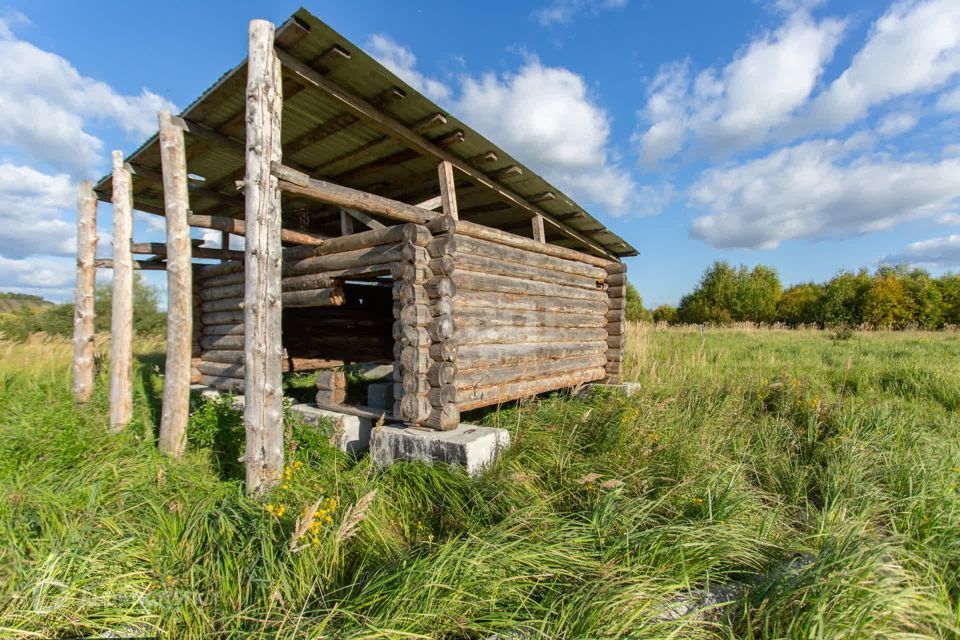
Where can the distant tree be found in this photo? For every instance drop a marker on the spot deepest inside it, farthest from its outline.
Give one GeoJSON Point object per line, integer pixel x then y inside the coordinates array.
{"type": "Point", "coordinates": [843, 296]}
{"type": "Point", "coordinates": [800, 304]}
{"type": "Point", "coordinates": [886, 304]}
{"type": "Point", "coordinates": [713, 298]}
{"type": "Point", "coordinates": [927, 300]}
{"type": "Point", "coordinates": [634, 309]}
{"type": "Point", "coordinates": [665, 313]}
{"type": "Point", "coordinates": [147, 317]}
{"type": "Point", "coordinates": [949, 287]}
{"type": "Point", "coordinates": [757, 294]}
{"type": "Point", "coordinates": [5, 295]}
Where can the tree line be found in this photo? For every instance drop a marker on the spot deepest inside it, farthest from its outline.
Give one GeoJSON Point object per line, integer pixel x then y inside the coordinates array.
{"type": "Point", "coordinates": [892, 297]}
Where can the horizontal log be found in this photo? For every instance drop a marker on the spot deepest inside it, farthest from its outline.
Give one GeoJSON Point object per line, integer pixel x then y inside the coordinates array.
{"type": "Point", "coordinates": [496, 266]}
{"type": "Point", "coordinates": [443, 351]}
{"type": "Point", "coordinates": [471, 281]}
{"type": "Point", "coordinates": [466, 246]}
{"type": "Point", "coordinates": [207, 271]}
{"type": "Point", "coordinates": [616, 303]}
{"type": "Point", "coordinates": [329, 297]}
{"type": "Point", "coordinates": [415, 384]}
{"type": "Point", "coordinates": [331, 380]}
{"type": "Point", "coordinates": [239, 228]}
{"type": "Point", "coordinates": [225, 304]}
{"type": "Point", "coordinates": [381, 254]}
{"type": "Point", "coordinates": [515, 335]}
{"type": "Point", "coordinates": [226, 292]}
{"type": "Point", "coordinates": [228, 341]}
{"type": "Point", "coordinates": [442, 395]}
{"type": "Point", "coordinates": [299, 183]}
{"type": "Point", "coordinates": [615, 315]}
{"type": "Point", "coordinates": [138, 265]}
{"type": "Point", "coordinates": [616, 342]}
{"type": "Point", "coordinates": [222, 329]}
{"type": "Point", "coordinates": [443, 418]}
{"type": "Point", "coordinates": [229, 356]}
{"type": "Point", "coordinates": [479, 317]}
{"type": "Point", "coordinates": [496, 394]}
{"type": "Point", "coordinates": [221, 369]}
{"type": "Point", "coordinates": [526, 371]}
{"type": "Point", "coordinates": [331, 396]}
{"type": "Point", "coordinates": [480, 356]}
{"type": "Point", "coordinates": [615, 279]}
{"type": "Point", "coordinates": [618, 291]}
{"type": "Point", "coordinates": [361, 240]}
{"type": "Point", "coordinates": [160, 249]}
{"type": "Point", "coordinates": [481, 232]}
{"type": "Point", "coordinates": [234, 385]}
{"type": "Point", "coordinates": [222, 317]}
{"type": "Point", "coordinates": [237, 277]}
{"type": "Point", "coordinates": [520, 302]}
{"type": "Point", "coordinates": [415, 408]}
{"type": "Point", "coordinates": [307, 282]}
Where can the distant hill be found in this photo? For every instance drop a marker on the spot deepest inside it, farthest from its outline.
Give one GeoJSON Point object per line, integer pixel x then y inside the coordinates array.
{"type": "Point", "coordinates": [16, 302]}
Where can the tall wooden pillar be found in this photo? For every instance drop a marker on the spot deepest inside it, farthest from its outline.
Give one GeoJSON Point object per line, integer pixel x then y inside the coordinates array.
{"type": "Point", "coordinates": [176, 204]}
{"type": "Point", "coordinates": [83, 314]}
{"type": "Point", "coordinates": [121, 330]}
{"type": "Point", "coordinates": [263, 383]}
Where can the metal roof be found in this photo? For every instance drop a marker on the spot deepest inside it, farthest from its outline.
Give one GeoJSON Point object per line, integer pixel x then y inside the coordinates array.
{"type": "Point", "coordinates": [327, 141]}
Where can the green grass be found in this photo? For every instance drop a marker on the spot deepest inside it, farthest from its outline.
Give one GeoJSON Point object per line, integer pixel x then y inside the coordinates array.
{"type": "Point", "coordinates": [818, 477]}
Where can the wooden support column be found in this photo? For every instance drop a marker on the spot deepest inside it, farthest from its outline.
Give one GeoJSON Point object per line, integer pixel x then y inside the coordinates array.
{"type": "Point", "coordinates": [83, 314]}
{"type": "Point", "coordinates": [121, 330]}
{"type": "Point", "coordinates": [538, 233]}
{"type": "Point", "coordinates": [224, 243]}
{"type": "Point", "coordinates": [263, 351]}
{"type": "Point", "coordinates": [448, 192]}
{"type": "Point", "coordinates": [176, 379]}
{"type": "Point", "coordinates": [346, 223]}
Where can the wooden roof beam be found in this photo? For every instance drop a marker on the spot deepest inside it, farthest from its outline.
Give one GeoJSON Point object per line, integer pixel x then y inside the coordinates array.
{"type": "Point", "coordinates": [392, 127]}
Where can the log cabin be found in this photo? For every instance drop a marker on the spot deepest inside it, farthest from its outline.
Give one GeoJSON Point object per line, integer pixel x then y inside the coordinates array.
{"type": "Point", "coordinates": [376, 227]}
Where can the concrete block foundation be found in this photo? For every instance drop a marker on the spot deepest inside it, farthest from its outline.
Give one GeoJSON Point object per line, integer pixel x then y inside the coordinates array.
{"type": "Point", "coordinates": [469, 446]}
{"type": "Point", "coordinates": [353, 432]}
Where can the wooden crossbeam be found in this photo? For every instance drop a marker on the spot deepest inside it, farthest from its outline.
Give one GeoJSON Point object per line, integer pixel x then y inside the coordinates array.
{"type": "Point", "coordinates": [239, 228]}
{"type": "Point", "coordinates": [160, 249]}
{"type": "Point", "coordinates": [138, 265]}
{"type": "Point", "coordinates": [364, 218]}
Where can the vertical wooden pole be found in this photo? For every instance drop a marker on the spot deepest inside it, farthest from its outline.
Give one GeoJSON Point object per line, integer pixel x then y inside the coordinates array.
{"type": "Point", "coordinates": [176, 205]}
{"type": "Point", "coordinates": [224, 243]}
{"type": "Point", "coordinates": [346, 223]}
{"type": "Point", "coordinates": [263, 410]}
{"type": "Point", "coordinates": [448, 193]}
{"type": "Point", "coordinates": [83, 313]}
{"type": "Point", "coordinates": [121, 330]}
{"type": "Point", "coordinates": [538, 233]}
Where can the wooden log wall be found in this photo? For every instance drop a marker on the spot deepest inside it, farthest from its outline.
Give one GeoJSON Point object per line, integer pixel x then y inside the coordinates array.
{"type": "Point", "coordinates": [321, 322]}
{"type": "Point", "coordinates": [524, 322]}
{"type": "Point", "coordinates": [616, 301]}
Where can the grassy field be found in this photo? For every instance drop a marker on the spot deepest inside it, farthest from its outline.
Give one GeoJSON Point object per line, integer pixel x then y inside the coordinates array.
{"type": "Point", "coordinates": [808, 485]}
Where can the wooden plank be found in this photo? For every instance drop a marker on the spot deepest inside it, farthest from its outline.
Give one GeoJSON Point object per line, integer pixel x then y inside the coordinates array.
{"type": "Point", "coordinates": [138, 265]}
{"type": "Point", "coordinates": [176, 379]}
{"type": "Point", "coordinates": [263, 356]}
{"type": "Point", "coordinates": [83, 313]}
{"type": "Point", "coordinates": [416, 141]}
{"type": "Point", "coordinates": [448, 191]}
{"type": "Point", "coordinates": [160, 249]}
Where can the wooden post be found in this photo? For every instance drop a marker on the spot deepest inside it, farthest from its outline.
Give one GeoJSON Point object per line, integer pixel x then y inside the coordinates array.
{"type": "Point", "coordinates": [83, 313]}
{"type": "Point", "coordinates": [121, 330]}
{"type": "Point", "coordinates": [538, 233]}
{"type": "Point", "coordinates": [224, 243]}
{"type": "Point", "coordinates": [346, 223]}
{"type": "Point", "coordinates": [448, 193]}
{"type": "Point", "coordinates": [176, 379]}
{"type": "Point", "coordinates": [263, 358]}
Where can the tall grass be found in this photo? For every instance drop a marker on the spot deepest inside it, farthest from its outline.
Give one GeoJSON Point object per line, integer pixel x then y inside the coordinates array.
{"type": "Point", "coordinates": [812, 482]}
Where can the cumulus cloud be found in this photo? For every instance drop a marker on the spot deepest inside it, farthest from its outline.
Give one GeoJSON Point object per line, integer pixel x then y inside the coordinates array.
{"type": "Point", "coordinates": [894, 124]}
{"type": "Point", "coordinates": [818, 189]}
{"type": "Point", "coordinates": [914, 48]}
{"type": "Point", "coordinates": [545, 116]}
{"type": "Point", "coordinates": [28, 275]}
{"type": "Point", "coordinates": [30, 204]}
{"type": "Point", "coordinates": [738, 105]}
{"type": "Point", "coordinates": [402, 62]}
{"type": "Point", "coordinates": [563, 11]}
{"type": "Point", "coordinates": [943, 252]}
{"type": "Point", "coordinates": [48, 105]}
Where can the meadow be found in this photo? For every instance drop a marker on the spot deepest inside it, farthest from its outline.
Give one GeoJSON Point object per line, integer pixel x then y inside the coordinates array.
{"type": "Point", "coordinates": [761, 484]}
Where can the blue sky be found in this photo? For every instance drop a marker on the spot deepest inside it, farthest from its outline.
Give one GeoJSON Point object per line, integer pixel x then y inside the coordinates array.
{"type": "Point", "coordinates": [810, 136]}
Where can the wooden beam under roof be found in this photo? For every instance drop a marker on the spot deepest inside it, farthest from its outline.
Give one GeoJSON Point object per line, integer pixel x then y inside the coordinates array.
{"type": "Point", "coordinates": [391, 126]}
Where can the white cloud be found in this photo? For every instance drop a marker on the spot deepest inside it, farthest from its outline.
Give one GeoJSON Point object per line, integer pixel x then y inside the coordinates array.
{"type": "Point", "coordinates": [563, 11]}
{"type": "Point", "coordinates": [738, 106]}
{"type": "Point", "coordinates": [913, 48]}
{"type": "Point", "coordinates": [818, 189]}
{"type": "Point", "coordinates": [30, 203]}
{"type": "Point", "coordinates": [894, 124]}
{"type": "Point", "coordinates": [47, 106]}
{"type": "Point", "coordinates": [36, 273]}
{"type": "Point", "coordinates": [944, 252]}
{"type": "Point", "coordinates": [402, 62]}
{"type": "Point", "coordinates": [949, 101]}
{"type": "Point", "coordinates": [949, 219]}
{"type": "Point", "coordinates": [544, 116]}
